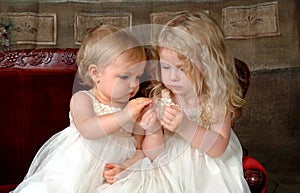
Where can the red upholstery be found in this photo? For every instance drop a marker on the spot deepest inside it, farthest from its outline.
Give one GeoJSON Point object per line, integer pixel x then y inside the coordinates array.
{"type": "Point", "coordinates": [36, 87]}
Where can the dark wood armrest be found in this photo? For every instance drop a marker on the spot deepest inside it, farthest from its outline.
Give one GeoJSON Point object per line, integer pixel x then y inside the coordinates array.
{"type": "Point", "coordinates": [256, 180]}
{"type": "Point", "coordinates": [255, 174]}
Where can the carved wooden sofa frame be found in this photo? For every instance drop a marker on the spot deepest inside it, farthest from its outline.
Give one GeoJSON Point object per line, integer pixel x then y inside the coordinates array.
{"type": "Point", "coordinates": [36, 86]}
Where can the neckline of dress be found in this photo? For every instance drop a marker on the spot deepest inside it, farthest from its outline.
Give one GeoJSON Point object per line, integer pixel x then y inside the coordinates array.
{"type": "Point", "coordinates": [91, 93]}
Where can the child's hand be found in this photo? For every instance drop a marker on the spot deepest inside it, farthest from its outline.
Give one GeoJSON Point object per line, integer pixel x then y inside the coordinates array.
{"type": "Point", "coordinates": [111, 171]}
{"type": "Point", "coordinates": [150, 121]}
{"type": "Point", "coordinates": [136, 106]}
{"type": "Point", "coordinates": [171, 117]}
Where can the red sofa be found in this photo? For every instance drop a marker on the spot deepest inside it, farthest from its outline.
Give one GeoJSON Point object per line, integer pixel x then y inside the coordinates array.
{"type": "Point", "coordinates": [36, 86]}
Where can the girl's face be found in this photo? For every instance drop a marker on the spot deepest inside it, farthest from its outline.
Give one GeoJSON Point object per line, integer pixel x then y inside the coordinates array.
{"type": "Point", "coordinates": [173, 72]}
{"type": "Point", "coordinates": [120, 80]}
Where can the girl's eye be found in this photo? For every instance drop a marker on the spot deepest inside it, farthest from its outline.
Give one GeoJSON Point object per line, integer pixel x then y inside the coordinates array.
{"type": "Point", "coordinates": [165, 67]}
{"type": "Point", "coordinates": [123, 77]}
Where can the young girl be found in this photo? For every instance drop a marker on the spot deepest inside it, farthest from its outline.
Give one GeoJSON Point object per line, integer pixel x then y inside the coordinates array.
{"type": "Point", "coordinates": [102, 119]}
{"type": "Point", "coordinates": [201, 153]}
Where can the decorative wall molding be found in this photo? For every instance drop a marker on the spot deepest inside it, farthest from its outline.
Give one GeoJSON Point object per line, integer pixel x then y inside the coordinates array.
{"type": "Point", "coordinates": [85, 22]}
{"type": "Point", "coordinates": [32, 28]}
{"type": "Point", "coordinates": [241, 22]}
{"type": "Point", "coordinates": [163, 17]}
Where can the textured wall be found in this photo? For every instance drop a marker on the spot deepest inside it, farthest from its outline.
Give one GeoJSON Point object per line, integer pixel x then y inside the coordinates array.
{"type": "Point", "coordinates": [270, 125]}
{"type": "Point", "coordinates": [270, 46]}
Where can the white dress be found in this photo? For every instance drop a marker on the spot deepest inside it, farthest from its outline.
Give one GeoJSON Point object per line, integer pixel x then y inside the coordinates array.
{"type": "Point", "coordinates": [182, 168]}
{"type": "Point", "coordinates": [68, 163]}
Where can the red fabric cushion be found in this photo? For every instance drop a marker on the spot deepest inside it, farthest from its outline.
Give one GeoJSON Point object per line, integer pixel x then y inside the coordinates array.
{"type": "Point", "coordinates": [7, 188]}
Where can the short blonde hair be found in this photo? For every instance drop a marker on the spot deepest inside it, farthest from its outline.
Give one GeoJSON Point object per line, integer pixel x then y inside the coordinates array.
{"type": "Point", "coordinates": [101, 45]}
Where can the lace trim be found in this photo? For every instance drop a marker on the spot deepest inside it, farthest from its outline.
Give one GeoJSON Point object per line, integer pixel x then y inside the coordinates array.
{"type": "Point", "coordinates": [100, 108]}
{"type": "Point", "coordinates": [199, 116]}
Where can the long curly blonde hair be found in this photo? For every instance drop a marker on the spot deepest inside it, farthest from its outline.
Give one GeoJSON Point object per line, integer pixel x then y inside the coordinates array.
{"type": "Point", "coordinates": [200, 43]}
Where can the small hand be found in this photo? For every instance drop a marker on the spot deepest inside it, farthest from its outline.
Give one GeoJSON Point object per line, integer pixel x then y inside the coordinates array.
{"type": "Point", "coordinates": [149, 121]}
{"type": "Point", "coordinates": [136, 106]}
{"type": "Point", "coordinates": [171, 117]}
{"type": "Point", "coordinates": [111, 171]}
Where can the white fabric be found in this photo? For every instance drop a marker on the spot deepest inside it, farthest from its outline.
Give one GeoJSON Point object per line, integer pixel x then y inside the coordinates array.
{"type": "Point", "coordinates": [68, 163]}
{"type": "Point", "coordinates": [182, 168]}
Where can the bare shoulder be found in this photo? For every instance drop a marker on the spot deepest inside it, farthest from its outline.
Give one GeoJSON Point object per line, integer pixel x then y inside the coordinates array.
{"type": "Point", "coordinates": [80, 98]}
{"type": "Point", "coordinates": [82, 95]}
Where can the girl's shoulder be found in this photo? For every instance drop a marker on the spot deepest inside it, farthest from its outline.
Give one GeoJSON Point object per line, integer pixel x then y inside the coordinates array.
{"type": "Point", "coordinates": [83, 94]}
{"type": "Point", "coordinates": [83, 97]}
{"type": "Point", "coordinates": [87, 98]}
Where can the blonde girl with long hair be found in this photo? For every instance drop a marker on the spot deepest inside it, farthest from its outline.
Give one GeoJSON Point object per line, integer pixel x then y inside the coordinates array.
{"type": "Point", "coordinates": [195, 149]}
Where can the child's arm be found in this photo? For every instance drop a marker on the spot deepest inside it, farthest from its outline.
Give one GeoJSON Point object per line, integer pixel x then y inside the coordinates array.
{"type": "Point", "coordinates": [112, 170]}
{"type": "Point", "coordinates": [153, 143]}
{"type": "Point", "coordinates": [213, 141]}
{"type": "Point", "coordinates": [91, 126]}
{"type": "Point", "coordinates": [138, 134]}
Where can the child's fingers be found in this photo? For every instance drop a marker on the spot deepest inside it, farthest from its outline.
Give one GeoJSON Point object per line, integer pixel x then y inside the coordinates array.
{"type": "Point", "coordinates": [177, 107]}
{"type": "Point", "coordinates": [174, 109]}
{"type": "Point", "coordinates": [109, 179]}
{"type": "Point", "coordinates": [136, 106]}
{"type": "Point", "coordinates": [170, 113]}
{"type": "Point", "coordinates": [108, 173]}
{"type": "Point", "coordinates": [109, 166]}
{"type": "Point", "coordinates": [142, 102]}
{"type": "Point", "coordinates": [171, 118]}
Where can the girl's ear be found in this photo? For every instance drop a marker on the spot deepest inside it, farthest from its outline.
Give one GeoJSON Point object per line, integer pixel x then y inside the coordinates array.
{"type": "Point", "coordinates": [94, 72]}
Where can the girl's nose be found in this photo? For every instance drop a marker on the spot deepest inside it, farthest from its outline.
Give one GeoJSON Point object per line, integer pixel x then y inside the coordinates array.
{"type": "Point", "coordinates": [134, 83]}
{"type": "Point", "coordinates": [174, 76]}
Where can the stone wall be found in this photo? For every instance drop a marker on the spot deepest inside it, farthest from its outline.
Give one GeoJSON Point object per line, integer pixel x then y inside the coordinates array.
{"type": "Point", "coordinates": [264, 34]}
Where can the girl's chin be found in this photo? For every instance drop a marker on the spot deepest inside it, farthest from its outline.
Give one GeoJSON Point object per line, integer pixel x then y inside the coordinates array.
{"type": "Point", "coordinates": [176, 91]}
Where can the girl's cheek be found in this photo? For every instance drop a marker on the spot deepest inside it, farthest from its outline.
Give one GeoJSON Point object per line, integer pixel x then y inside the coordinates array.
{"type": "Point", "coordinates": [164, 77]}
{"type": "Point", "coordinates": [135, 91]}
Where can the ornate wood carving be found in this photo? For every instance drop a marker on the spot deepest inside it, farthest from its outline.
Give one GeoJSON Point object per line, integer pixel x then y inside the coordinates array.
{"type": "Point", "coordinates": [39, 58]}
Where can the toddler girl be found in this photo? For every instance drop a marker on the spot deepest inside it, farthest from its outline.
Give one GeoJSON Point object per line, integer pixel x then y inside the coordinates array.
{"type": "Point", "coordinates": [102, 119]}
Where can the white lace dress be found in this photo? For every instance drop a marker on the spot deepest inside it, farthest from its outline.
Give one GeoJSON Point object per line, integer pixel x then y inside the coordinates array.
{"type": "Point", "coordinates": [68, 163]}
{"type": "Point", "coordinates": [182, 168]}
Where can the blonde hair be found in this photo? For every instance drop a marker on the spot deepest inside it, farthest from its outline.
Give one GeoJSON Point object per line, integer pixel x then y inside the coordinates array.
{"type": "Point", "coordinates": [101, 45]}
{"type": "Point", "coordinates": [200, 44]}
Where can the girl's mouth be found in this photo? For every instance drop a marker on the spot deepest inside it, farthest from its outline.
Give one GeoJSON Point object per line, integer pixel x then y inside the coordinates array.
{"type": "Point", "coordinates": [173, 87]}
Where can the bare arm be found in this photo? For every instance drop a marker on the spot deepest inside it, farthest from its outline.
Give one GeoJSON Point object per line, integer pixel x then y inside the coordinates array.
{"type": "Point", "coordinates": [153, 143]}
{"type": "Point", "coordinates": [213, 141]}
{"type": "Point", "coordinates": [138, 134]}
{"type": "Point", "coordinates": [112, 170]}
{"type": "Point", "coordinates": [92, 126]}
